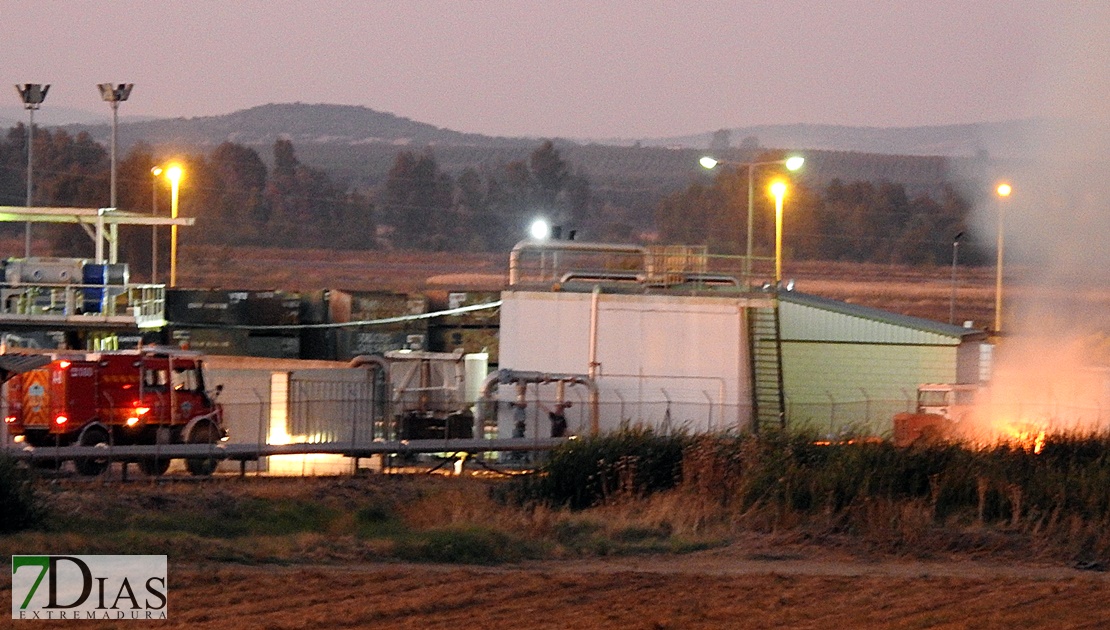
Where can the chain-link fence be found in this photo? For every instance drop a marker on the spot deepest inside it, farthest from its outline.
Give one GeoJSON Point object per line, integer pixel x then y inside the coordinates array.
{"type": "Point", "coordinates": [356, 413]}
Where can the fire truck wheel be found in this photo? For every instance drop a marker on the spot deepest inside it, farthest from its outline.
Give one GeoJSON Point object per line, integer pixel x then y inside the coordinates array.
{"type": "Point", "coordinates": [154, 466]}
{"type": "Point", "coordinates": [203, 434]}
{"type": "Point", "coordinates": [91, 467]}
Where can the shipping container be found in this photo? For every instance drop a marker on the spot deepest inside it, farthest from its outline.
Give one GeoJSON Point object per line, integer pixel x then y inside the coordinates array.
{"type": "Point", "coordinates": [376, 340]}
{"type": "Point", "coordinates": [371, 305]}
{"type": "Point", "coordinates": [457, 299]}
{"type": "Point", "coordinates": [198, 306]}
{"type": "Point", "coordinates": [326, 306]}
{"type": "Point", "coordinates": [236, 308]}
{"type": "Point", "coordinates": [274, 346]}
{"type": "Point", "coordinates": [319, 344]}
{"type": "Point", "coordinates": [265, 308]}
{"type": "Point", "coordinates": [223, 341]}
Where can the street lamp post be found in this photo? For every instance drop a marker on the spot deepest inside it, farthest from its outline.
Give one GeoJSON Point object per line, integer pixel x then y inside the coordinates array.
{"type": "Point", "coordinates": [1003, 191]}
{"type": "Point", "coordinates": [955, 257]}
{"type": "Point", "coordinates": [792, 163]}
{"type": "Point", "coordinates": [778, 189]}
{"type": "Point", "coordinates": [173, 173]}
{"type": "Point", "coordinates": [115, 95]}
{"type": "Point", "coordinates": [32, 94]}
{"type": "Point", "coordinates": [154, 172]}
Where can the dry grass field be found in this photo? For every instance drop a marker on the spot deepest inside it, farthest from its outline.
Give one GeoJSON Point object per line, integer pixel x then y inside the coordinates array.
{"type": "Point", "coordinates": [920, 291]}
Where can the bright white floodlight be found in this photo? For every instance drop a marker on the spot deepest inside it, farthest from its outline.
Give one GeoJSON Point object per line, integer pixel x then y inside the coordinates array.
{"type": "Point", "coordinates": [540, 230]}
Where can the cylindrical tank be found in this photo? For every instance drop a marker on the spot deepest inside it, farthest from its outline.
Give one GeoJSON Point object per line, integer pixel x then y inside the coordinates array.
{"type": "Point", "coordinates": [103, 274]}
{"type": "Point", "coordinates": [43, 270]}
{"type": "Point", "coordinates": [476, 368]}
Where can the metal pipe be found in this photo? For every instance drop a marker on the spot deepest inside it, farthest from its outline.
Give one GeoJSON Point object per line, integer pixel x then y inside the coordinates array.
{"type": "Point", "coordinates": [576, 246]}
{"type": "Point", "coordinates": [30, 165]}
{"type": "Point", "coordinates": [592, 367]}
{"type": "Point", "coordinates": [520, 378]}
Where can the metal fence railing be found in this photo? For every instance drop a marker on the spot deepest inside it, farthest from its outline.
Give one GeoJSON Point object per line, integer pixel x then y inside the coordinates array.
{"type": "Point", "coordinates": [144, 303]}
{"type": "Point", "coordinates": [334, 420]}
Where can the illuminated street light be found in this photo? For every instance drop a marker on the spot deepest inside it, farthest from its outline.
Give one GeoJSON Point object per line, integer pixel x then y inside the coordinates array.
{"type": "Point", "coordinates": [32, 95]}
{"type": "Point", "coordinates": [154, 172]}
{"type": "Point", "coordinates": [540, 230]}
{"type": "Point", "coordinates": [173, 173]}
{"type": "Point", "coordinates": [1003, 191]}
{"type": "Point", "coordinates": [778, 189]}
{"type": "Point", "coordinates": [791, 163]}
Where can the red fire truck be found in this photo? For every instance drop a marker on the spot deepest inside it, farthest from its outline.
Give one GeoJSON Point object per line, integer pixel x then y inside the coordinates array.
{"type": "Point", "coordinates": [147, 396]}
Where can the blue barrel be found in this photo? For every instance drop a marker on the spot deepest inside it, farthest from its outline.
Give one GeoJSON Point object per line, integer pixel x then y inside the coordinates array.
{"type": "Point", "coordinates": [94, 273]}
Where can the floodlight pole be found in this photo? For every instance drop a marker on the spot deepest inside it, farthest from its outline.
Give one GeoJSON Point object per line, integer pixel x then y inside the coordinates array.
{"type": "Point", "coordinates": [154, 172]}
{"type": "Point", "coordinates": [32, 95]}
{"type": "Point", "coordinates": [114, 95]}
{"type": "Point", "coordinates": [791, 163]}
{"type": "Point", "coordinates": [751, 223]}
{"type": "Point", "coordinates": [955, 257]}
{"type": "Point", "coordinates": [1003, 191]}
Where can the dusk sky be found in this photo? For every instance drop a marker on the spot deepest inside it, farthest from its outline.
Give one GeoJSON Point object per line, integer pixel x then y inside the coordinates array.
{"type": "Point", "coordinates": [579, 69]}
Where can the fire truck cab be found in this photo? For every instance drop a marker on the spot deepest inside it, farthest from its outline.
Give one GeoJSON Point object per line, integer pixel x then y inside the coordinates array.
{"type": "Point", "coordinates": [145, 396]}
{"type": "Point", "coordinates": [941, 411]}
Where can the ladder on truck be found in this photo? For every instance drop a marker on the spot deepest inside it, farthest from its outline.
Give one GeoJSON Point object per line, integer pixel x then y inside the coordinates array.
{"type": "Point", "coordinates": [768, 399]}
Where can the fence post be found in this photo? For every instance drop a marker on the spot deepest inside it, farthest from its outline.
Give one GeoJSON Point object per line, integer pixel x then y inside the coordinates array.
{"type": "Point", "coordinates": [866, 407]}
{"type": "Point", "coordinates": [832, 414]}
{"type": "Point", "coordinates": [709, 420]}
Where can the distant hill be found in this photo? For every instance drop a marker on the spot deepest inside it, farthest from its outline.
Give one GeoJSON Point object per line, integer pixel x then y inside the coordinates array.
{"type": "Point", "coordinates": [1011, 139]}
{"type": "Point", "coordinates": [358, 145]}
{"type": "Point", "coordinates": [354, 125]}
{"type": "Point", "coordinates": [11, 115]}
{"type": "Point", "coordinates": [299, 122]}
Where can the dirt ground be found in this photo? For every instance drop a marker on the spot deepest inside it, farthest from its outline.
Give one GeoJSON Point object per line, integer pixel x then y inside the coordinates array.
{"type": "Point", "coordinates": [689, 592]}
{"type": "Point", "coordinates": [723, 588]}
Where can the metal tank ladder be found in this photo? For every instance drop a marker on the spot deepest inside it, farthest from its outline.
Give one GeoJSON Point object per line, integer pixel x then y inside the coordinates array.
{"type": "Point", "coordinates": [768, 399]}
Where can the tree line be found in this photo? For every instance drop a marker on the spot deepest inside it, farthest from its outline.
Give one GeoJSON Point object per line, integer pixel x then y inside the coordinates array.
{"type": "Point", "coordinates": [238, 198]}
{"type": "Point", "coordinates": [859, 221]}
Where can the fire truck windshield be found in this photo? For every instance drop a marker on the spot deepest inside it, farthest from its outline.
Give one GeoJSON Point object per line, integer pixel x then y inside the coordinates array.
{"type": "Point", "coordinates": [185, 379]}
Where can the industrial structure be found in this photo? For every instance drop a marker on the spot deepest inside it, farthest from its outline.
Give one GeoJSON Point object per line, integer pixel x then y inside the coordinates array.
{"type": "Point", "coordinates": [671, 345]}
{"type": "Point", "coordinates": [583, 338]}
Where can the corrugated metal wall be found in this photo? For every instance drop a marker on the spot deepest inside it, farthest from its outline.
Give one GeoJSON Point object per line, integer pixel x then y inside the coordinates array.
{"type": "Point", "coordinates": [847, 373]}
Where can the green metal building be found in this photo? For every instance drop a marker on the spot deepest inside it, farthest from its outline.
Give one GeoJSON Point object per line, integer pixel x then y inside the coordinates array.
{"type": "Point", "coordinates": [847, 369]}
